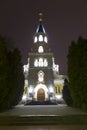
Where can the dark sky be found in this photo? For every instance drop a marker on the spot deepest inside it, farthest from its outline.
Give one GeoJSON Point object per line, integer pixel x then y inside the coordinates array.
{"type": "Point", "coordinates": [64, 21]}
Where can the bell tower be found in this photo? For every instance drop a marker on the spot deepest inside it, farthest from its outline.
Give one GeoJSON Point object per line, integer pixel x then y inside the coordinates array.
{"type": "Point", "coordinates": [42, 79]}
{"type": "Point", "coordinates": [40, 74]}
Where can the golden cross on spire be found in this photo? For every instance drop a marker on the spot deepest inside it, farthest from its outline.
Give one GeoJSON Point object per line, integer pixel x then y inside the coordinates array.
{"type": "Point", "coordinates": [40, 17]}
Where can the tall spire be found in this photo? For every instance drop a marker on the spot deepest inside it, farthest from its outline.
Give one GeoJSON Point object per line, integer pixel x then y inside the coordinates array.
{"type": "Point", "coordinates": [40, 27]}
{"type": "Point", "coordinates": [40, 35]}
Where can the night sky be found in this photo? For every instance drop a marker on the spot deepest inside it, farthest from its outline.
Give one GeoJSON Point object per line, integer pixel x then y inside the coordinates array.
{"type": "Point", "coordinates": [64, 21]}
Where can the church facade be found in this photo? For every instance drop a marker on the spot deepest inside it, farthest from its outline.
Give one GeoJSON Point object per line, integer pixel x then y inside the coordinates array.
{"type": "Point", "coordinates": [42, 79]}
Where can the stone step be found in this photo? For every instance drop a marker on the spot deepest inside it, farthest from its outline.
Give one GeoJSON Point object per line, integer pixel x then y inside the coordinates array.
{"type": "Point", "coordinates": [41, 103]}
{"type": "Point", "coordinates": [43, 120]}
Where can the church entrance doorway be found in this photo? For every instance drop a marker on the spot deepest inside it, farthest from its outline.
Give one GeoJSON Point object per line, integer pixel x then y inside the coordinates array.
{"type": "Point", "coordinates": [41, 95]}
{"type": "Point", "coordinates": [41, 92]}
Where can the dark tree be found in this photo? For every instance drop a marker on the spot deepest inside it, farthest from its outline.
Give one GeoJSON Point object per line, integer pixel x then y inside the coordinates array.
{"type": "Point", "coordinates": [19, 77]}
{"type": "Point", "coordinates": [66, 93]}
{"type": "Point", "coordinates": [3, 72]}
{"type": "Point", "coordinates": [77, 72]}
{"type": "Point", "coordinates": [11, 76]}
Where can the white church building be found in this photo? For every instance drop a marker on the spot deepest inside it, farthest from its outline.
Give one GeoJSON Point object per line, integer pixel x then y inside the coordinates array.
{"type": "Point", "coordinates": [42, 79]}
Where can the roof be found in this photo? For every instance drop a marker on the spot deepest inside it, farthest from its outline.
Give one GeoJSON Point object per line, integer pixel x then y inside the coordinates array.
{"type": "Point", "coordinates": [40, 28]}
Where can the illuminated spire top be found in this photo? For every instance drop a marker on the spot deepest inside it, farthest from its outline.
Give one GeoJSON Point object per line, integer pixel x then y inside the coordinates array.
{"type": "Point", "coordinates": [40, 27]}
{"type": "Point", "coordinates": [40, 35]}
{"type": "Point", "coordinates": [40, 17]}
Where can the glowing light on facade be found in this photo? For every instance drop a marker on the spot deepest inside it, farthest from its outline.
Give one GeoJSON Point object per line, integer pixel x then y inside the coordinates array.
{"type": "Point", "coordinates": [36, 63]}
{"type": "Point", "coordinates": [40, 62]}
{"type": "Point", "coordinates": [40, 49]}
{"type": "Point", "coordinates": [51, 89]}
{"type": "Point", "coordinates": [44, 87]}
{"type": "Point", "coordinates": [26, 67]}
{"type": "Point", "coordinates": [40, 76]}
{"type": "Point", "coordinates": [24, 97]}
{"type": "Point", "coordinates": [35, 39]}
{"type": "Point", "coordinates": [30, 89]}
{"type": "Point", "coordinates": [59, 96]}
{"type": "Point", "coordinates": [40, 38]}
{"type": "Point", "coordinates": [45, 62]}
{"type": "Point", "coordinates": [45, 39]}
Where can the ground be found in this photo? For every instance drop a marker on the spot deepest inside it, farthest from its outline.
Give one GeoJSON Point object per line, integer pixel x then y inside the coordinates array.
{"type": "Point", "coordinates": [60, 109]}
{"type": "Point", "coordinates": [43, 117]}
{"type": "Point", "coordinates": [48, 127]}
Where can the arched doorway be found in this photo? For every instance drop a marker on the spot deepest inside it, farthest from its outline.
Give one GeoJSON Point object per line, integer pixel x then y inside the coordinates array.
{"type": "Point", "coordinates": [41, 94]}
{"type": "Point", "coordinates": [41, 89]}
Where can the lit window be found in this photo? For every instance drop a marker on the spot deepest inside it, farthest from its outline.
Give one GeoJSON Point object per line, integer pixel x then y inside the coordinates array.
{"type": "Point", "coordinates": [36, 63]}
{"type": "Point", "coordinates": [40, 76]}
{"type": "Point", "coordinates": [45, 39]}
{"type": "Point", "coordinates": [40, 38]}
{"type": "Point", "coordinates": [40, 49]}
{"type": "Point", "coordinates": [40, 62]}
{"type": "Point", "coordinates": [45, 62]}
{"type": "Point", "coordinates": [35, 39]}
{"type": "Point", "coordinates": [58, 90]}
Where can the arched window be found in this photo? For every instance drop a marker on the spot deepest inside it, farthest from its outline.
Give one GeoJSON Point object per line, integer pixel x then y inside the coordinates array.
{"type": "Point", "coordinates": [45, 62]}
{"type": "Point", "coordinates": [45, 39]}
{"type": "Point", "coordinates": [35, 39]}
{"type": "Point", "coordinates": [40, 49]}
{"type": "Point", "coordinates": [36, 63]}
{"type": "Point", "coordinates": [40, 38]}
{"type": "Point", "coordinates": [40, 62]}
{"type": "Point", "coordinates": [40, 76]}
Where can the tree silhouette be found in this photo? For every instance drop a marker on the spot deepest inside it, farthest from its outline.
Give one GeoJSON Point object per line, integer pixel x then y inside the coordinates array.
{"type": "Point", "coordinates": [77, 72]}
{"type": "Point", "coordinates": [11, 75]}
{"type": "Point", "coordinates": [66, 93]}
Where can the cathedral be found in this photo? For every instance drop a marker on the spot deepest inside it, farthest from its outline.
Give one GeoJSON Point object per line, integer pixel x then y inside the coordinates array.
{"type": "Point", "coordinates": [42, 79]}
